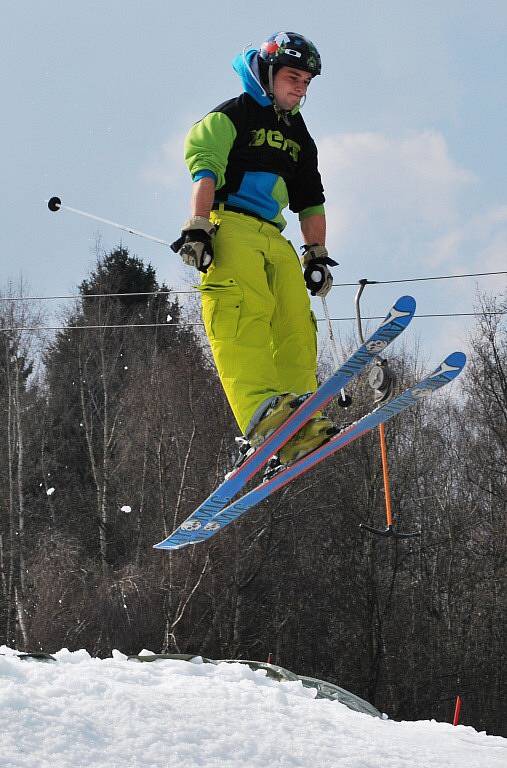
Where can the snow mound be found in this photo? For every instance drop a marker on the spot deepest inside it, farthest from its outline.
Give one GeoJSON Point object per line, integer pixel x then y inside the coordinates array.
{"type": "Point", "coordinates": [79, 711]}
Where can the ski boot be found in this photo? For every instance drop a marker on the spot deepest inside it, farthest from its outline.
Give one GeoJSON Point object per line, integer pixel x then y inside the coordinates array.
{"type": "Point", "coordinates": [277, 411]}
{"type": "Point", "coordinates": [315, 433]}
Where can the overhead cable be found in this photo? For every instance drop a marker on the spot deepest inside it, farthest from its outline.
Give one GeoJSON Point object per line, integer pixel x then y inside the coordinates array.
{"type": "Point", "coordinates": [185, 324]}
{"type": "Point", "coordinates": [195, 290]}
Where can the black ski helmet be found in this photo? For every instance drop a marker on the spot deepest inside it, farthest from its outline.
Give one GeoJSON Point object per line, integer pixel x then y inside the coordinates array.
{"type": "Point", "coordinates": [289, 49]}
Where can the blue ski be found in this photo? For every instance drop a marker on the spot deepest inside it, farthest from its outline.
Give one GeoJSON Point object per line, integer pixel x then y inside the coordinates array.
{"type": "Point", "coordinates": [389, 329]}
{"type": "Point", "coordinates": [446, 372]}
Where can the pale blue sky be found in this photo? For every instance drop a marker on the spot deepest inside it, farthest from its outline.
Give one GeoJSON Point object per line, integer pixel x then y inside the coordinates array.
{"type": "Point", "coordinates": [410, 117]}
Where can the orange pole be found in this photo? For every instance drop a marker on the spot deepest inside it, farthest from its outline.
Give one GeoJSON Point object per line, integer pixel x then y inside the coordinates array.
{"type": "Point", "coordinates": [385, 473]}
{"type": "Point", "coordinates": [457, 711]}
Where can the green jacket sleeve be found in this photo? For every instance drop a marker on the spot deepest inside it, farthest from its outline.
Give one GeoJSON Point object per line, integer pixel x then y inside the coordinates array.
{"type": "Point", "coordinates": [208, 143]}
{"type": "Point", "coordinates": [312, 210]}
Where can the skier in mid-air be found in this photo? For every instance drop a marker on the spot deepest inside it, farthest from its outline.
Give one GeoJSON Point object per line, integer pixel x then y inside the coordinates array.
{"type": "Point", "coordinates": [249, 158]}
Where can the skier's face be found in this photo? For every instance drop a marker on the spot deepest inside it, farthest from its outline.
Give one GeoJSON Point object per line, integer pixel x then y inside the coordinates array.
{"type": "Point", "coordinates": [290, 85]}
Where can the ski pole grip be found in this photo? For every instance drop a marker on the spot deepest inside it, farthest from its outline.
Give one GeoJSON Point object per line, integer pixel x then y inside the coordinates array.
{"type": "Point", "coordinates": [178, 243]}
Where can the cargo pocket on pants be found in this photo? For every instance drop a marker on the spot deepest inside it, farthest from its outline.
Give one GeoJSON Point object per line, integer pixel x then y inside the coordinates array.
{"type": "Point", "coordinates": [315, 328]}
{"type": "Point", "coordinates": [221, 308]}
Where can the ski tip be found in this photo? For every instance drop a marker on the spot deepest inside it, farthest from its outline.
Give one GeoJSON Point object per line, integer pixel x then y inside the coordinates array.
{"type": "Point", "coordinates": [454, 363]}
{"type": "Point", "coordinates": [165, 544]}
{"type": "Point", "coordinates": [171, 545]}
{"type": "Point", "coordinates": [451, 366]}
{"type": "Point", "coordinates": [405, 304]}
{"type": "Point", "coordinates": [457, 359]}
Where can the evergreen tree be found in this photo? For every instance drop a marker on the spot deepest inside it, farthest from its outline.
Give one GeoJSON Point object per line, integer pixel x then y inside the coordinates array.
{"type": "Point", "coordinates": [89, 372]}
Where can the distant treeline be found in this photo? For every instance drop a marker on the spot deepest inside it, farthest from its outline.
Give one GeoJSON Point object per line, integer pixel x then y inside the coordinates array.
{"type": "Point", "coordinates": [110, 437]}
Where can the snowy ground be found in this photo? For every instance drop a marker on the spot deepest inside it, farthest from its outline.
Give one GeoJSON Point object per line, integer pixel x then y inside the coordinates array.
{"type": "Point", "coordinates": [115, 713]}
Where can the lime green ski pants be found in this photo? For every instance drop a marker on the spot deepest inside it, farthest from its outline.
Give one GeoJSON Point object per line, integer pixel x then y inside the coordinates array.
{"type": "Point", "coordinates": [257, 315]}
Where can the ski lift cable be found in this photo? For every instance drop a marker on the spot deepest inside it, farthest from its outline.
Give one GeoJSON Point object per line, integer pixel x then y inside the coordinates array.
{"type": "Point", "coordinates": [181, 291]}
{"type": "Point", "coordinates": [186, 324]}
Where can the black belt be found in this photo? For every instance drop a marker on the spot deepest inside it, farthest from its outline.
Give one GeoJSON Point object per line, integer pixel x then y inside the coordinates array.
{"type": "Point", "coordinates": [219, 206]}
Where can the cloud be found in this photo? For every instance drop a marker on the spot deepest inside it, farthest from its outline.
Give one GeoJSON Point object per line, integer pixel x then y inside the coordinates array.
{"type": "Point", "coordinates": [398, 200]}
{"type": "Point", "coordinates": [378, 186]}
{"type": "Point", "coordinates": [167, 168]}
{"type": "Point", "coordinates": [399, 207]}
{"type": "Point", "coordinates": [479, 241]}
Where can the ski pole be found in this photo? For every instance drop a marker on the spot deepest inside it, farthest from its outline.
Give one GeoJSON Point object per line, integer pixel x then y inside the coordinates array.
{"type": "Point", "coordinates": [55, 204]}
{"type": "Point", "coordinates": [345, 400]}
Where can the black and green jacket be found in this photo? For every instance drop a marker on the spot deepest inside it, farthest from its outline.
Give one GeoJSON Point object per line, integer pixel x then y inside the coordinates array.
{"type": "Point", "coordinates": [259, 163]}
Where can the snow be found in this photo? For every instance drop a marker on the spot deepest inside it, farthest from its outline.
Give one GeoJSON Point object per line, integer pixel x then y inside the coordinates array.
{"type": "Point", "coordinates": [113, 713]}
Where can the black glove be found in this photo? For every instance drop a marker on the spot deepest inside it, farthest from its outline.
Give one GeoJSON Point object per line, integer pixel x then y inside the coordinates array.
{"type": "Point", "coordinates": [195, 245]}
{"type": "Point", "coordinates": [316, 261]}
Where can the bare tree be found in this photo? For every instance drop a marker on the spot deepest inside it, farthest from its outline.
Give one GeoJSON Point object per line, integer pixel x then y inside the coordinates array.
{"type": "Point", "coordinates": [15, 369]}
